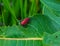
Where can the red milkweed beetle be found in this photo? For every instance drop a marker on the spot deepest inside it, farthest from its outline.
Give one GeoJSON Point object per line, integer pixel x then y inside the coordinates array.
{"type": "Point", "coordinates": [25, 21]}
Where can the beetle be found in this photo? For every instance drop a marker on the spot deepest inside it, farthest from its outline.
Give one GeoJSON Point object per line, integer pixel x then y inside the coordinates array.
{"type": "Point", "coordinates": [25, 21]}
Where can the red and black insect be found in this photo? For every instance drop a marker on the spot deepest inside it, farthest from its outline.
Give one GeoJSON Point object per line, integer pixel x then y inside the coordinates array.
{"type": "Point", "coordinates": [25, 21]}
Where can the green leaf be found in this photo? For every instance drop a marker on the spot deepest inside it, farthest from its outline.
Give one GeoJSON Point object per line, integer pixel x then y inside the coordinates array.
{"type": "Point", "coordinates": [52, 5]}
{"type": "Point", "coordinates": [35, 28]}
{"type": "Point", "coordinates": [19, 43]}
{"type": "Point", "coordinates": [56, 19]}
{"type": "Point", "coordinates": [49, 10]}
{"type": "Point", "coordinates": [32, 10]}
{"type": "Point", "coordinates": [11, 10]}
{"type": "Point", "coordinates": [52, 40]}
